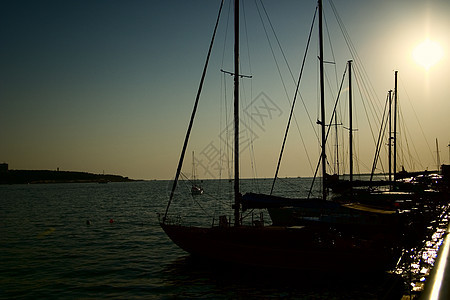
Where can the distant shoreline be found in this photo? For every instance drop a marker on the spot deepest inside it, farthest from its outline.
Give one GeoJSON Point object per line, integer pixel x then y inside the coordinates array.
{"type": "Point", "coordinates": [48, 176]}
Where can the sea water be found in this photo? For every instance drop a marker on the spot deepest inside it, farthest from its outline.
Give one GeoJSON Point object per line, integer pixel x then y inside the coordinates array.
{"type": "Point", "coordinates": [103, 241]}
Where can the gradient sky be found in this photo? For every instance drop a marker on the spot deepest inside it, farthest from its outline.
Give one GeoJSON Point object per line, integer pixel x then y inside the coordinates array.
{"type": "Point", "coordinates": [108, 86]}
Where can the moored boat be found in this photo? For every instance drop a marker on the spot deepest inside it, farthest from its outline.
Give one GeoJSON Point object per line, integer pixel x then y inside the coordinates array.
{"type": "Point", "coordinates": [283, 247]}
{"type": "Point", "coordinates": [314, 246]}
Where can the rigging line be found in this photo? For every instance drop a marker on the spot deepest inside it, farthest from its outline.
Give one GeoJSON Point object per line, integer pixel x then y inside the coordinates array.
{"type": "Point", "coordinates": [407, 134]}
{"type": "Point", "coordinates": [187, 181]}
{"type": "Point", "coordinates": [327, 79]}
{"type": "Point", "coordinates": [227, 133]}
{"type": "Point", "coordinates": [226, 33]}
{"type": "Point", "coordinates": [228, 145]}
{"type": "Point", "coordinates": [194, 110]}
{"type": "Point", "coordinates": [328, 130]}
{"type": "Point", "coordinates": [246, 37]}
{"type": "Point", "coordinates": [248, 133]}
{"type": "Point", "coordinates": [292, 107]}
{"type": "Point", "coordinates": [272, 51]}
{"type": "Point", "coordinates": [365, 110]}
{"type": "Point", "coordinates": [184, 177]}
{"type": "Point", "coordinates": [386, 129]}
{"type": "Point", "coordinates": [415, 159]}
{"type": "Point", "coordinates": [355, 54]}
{"type": "Point", "coordinates": [254, 168]}
{"type": "Point", "coordinates": [276, 38]}
{"type": "Point", "coordinates": [380, 138]}
{"type": "Point", "coordinates": [335, 104]}
{"type": "Point", "coordinates": [290, 71]}
{"type": "Point", "coordinates": [222, 95]}
{"type": "Point", "coordinates": [331, 49]}
{"type": "Point", "coordinates": [251, 136]}
{"type": "Point", "coordinates": [243, 91]}
{"type": "Point", "coordinates": [417, 118]}
{"type": "Point", "coordinates": [364, 91]}
{"type": "Point", "coordinates": [399, 141]}
{"type": "Point", "coordinates": [407, 147]}
{"type": "Point", "coordinates": [341, 138]}
{"type": "Point", "coordinates": [248, 48]}
{"type": "Point", "coordinates": [248, 214]}
{"type": "Point", "coordinates": [375, 105]}
{"type": "Point", "coordinates": [365, 94]}
{"type": "Point", "coordinates": [293, 78]}
{"type": "Point", "coordinates": [360, 162]}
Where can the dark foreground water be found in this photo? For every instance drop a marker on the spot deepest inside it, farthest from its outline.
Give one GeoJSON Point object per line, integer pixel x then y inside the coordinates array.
{"type": "Point", "coordinates": [49, 251]}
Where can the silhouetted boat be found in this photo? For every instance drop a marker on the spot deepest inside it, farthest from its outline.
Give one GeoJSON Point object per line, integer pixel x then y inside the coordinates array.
{"type": "Point", "coordinates": [196, 190]}
{"type": "Point", "coordinates": [346, 214]}
{"type": "Point", "coordinates": [308, 247]}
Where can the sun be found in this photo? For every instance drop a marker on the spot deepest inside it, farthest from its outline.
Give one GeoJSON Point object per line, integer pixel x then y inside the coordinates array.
{"type": "Point", "coordinates": [428, 53]}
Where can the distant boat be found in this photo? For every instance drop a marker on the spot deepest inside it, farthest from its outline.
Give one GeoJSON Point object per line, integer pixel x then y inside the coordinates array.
{"type": "Point", "coordinates": [196, 189]}
{"type": "Point", "coordinates": [308, 247]}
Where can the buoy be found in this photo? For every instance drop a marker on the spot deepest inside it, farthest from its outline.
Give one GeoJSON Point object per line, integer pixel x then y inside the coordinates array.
{"type": "Point", "coordinates": [88, 222]}
{"type": "Point", "coordinates": [111, 221]}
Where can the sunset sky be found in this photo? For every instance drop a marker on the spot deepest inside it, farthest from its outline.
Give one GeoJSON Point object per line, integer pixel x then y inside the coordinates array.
{"type": "Point", "coordinates": [108, 86]}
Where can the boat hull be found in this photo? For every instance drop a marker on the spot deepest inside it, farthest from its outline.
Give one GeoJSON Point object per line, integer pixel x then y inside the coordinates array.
{"type": "Point", "coordinates": [293, 248]}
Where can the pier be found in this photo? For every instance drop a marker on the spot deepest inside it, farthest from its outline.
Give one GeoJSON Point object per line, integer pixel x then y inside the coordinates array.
{"type": "Point", "coordinates": [437, 285]}
{"type": "Point", "coordinates": [425, 269]}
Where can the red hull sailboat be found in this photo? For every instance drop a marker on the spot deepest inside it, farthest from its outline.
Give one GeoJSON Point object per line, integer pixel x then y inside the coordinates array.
{"type": "Point", "coordinates": [308, 247]}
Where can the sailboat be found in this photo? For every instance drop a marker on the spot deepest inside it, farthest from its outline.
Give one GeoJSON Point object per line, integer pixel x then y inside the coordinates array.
{"type": "Point", "coordinates": [346, 215]}
{"type": "Point", "coordinates": [306, 247]}
{"type": "Point", "coordinates": [196, 189]}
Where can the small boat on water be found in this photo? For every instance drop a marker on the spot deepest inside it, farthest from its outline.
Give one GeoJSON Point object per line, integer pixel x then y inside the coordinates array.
{"type": "Point", "coordinates": [196, 189]}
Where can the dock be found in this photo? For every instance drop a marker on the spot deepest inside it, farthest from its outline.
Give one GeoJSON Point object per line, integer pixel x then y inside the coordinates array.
{"type": "Point", "coordinates": [426, 269]}
{"type": "Point", "coordinates": [437, 285]}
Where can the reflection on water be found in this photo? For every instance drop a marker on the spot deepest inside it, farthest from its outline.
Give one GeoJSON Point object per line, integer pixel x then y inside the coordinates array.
{"type": "Point", "coordinates": [48, 249]}
{"type": "Point", "coordinates": [416, 264]}
{"type": "Point", "coordinates": [191, 277]}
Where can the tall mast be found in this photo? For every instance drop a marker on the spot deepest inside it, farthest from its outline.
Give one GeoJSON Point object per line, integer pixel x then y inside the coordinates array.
{"type": "Point", "coordinates": [350, 137]}
{"type": "Point", "coordinates": [438, 159]}
{"type": "Point", "coordinates": [390, 136]}
{"type": "Point", "coordinates": [322, 103]}
{"type": "Point", "coordinates": [236, 115]}
{"type": "Point", "coordinates": [336, 167]}
{"type": "Point", "coordinates": [448, 152]}
{"type": "Point", "coordinates": [395, 125]}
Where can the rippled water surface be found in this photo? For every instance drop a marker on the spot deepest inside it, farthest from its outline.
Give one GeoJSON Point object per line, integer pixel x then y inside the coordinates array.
{"type": "Point", "coordinates": [48, 250]}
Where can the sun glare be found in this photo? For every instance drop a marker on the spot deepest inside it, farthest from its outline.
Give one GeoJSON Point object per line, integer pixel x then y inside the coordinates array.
{"type": "Point", "coordinates": [428, 53]}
